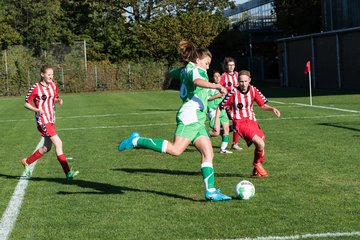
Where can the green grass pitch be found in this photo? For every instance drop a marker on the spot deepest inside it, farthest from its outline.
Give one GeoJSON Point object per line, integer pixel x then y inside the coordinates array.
{"type": "Point", "coordinates": [311, 156]}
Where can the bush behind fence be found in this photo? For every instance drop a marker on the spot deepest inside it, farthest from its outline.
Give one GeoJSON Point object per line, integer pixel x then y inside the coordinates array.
{"type": "Point", "coordinates": [106, 76]}
{"type": "Point", "coordinates": [19, 70]}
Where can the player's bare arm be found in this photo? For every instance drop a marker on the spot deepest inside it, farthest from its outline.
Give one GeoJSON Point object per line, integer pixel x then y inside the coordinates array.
{"type": "Point", "coordinates": [219, 95]}
{"type": "Point", "coordinates": [205, 84]}
{"type": "Point", "coordinates": [59, 101]}
{"type": "Point", "coordinates": [32, 108]}
{"type": "Point", "coordinates": [216, 122]}
{"type": "Point", "coordinates": [270, 108]}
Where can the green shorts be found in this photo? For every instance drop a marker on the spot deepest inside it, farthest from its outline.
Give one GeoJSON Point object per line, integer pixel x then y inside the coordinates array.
{"type": "Point", "coordinates": [222, 119]}
{"type": "Point", "coordinates": [192, 131]}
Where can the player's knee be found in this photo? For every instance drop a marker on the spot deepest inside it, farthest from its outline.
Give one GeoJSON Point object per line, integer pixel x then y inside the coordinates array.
{"type": "Point", "coordinates": [261, 145]}
{"type": "Point", "coordinates": [177, 152]}
{"type": "Point", "coordinates": [58, 144]}
{"type": "Point", "coordinates": [208, 156]}
{"type": "Point", "coordinates": [43, 150]}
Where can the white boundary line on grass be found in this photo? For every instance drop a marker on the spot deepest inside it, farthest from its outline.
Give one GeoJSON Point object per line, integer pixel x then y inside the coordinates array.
{"type": "Point", "coordinates": [122, 126]}
{"type": "Point", "coordinates": [92, 116]}
{"type": "Point", "coordinates": [304, 236]}
{"type": "Point", "coordinates": [174, 123]}
{"type": "Point", "coordinates": [156, 112]}
{"type": "Point", "coordinates": [317, 106]}
{"type": "Point", "coordinates": [9, 217]}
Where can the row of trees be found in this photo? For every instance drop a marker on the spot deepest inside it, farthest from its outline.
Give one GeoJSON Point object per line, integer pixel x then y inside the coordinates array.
{"type": "Point", "coordinates": [132, 30]}
{"type": "Point", "coordinates": [114, 30]}
{"type": "Point", "coordinates": [121, 33]}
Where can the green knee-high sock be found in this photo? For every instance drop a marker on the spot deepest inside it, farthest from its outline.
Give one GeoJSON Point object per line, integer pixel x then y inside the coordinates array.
{"type": "Point", "coordinates": [225, 138]}
{"type": "Point", "coordinates": [225, 141]}
{"type": "Point", "coordinates": [158, 145]}
{"type": "Point", "coordinates": [207, 172]}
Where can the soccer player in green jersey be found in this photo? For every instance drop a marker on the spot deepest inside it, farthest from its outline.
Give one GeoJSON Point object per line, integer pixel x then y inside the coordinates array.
{"type": "Point", "coordinates": [190, 117]}
{"type": "Point", "coordinates": [215, 97]}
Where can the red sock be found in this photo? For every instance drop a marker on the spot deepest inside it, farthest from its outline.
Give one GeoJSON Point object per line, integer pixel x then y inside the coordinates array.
{"type": "Point", "coordinates": [259, 156]}
{"type": "Point", "coordinates": [62, 160]}
{"type": "Point", "coordinates": [236, 137]}
{"type": "Point", "coordinates": [35, 156]}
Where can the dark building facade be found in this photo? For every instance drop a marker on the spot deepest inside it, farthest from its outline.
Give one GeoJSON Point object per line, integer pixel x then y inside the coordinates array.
{"type": "Point", "coordinates": [340, 14]}
{"type": "Point", "coordinates": [251, 41]}
{"type": "Point", "coordinates": [333, 53]}
{"type": "Point", "coordinates": [252, 15]}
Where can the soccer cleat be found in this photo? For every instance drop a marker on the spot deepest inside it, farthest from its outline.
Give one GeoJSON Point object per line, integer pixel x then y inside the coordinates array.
{"type": "Point", "coordinates": [259, 171]}
{"type": "Point", "coordinates": [216, 196]}
{"type": "Point", "coordinates": [27, 167]}
{"type": "Point", "coordinates": [71, 174]}
{"type": "Point", "coordinates": [127, 142]}
{"type": "Point", "coordinates": [236, 147]}
{"type": "Point", "coordinates": [225, 151]}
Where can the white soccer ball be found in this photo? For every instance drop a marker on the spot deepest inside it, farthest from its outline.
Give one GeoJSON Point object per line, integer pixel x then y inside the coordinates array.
{"type": "Point", "coordinates": [245, 190]}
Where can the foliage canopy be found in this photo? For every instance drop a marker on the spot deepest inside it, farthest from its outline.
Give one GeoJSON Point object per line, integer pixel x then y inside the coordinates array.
{"type": "Point", "coordinates": [114, 30]}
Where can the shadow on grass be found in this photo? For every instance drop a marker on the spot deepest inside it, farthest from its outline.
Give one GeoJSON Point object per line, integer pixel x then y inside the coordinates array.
{"type": "Point", "coordinates": [339, 126]}
{"type": "Point", "coordinates": [98, 188]}
{"type": "Point", "coordinates": [173, 172]}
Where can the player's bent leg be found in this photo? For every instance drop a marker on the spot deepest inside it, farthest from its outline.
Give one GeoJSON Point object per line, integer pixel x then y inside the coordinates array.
{"type": "Point", "coordinates": [47, 144]}
{"type": "Point", "coordinates": [178, 146]}
{"type": "Point", "coordinates": [235, 145]}
{"type": "Point", "coordinates": [33, 157]}
{"type": "Point", "coordinates": [258, 142]}
{"type": "Point", "coordinates": [204, 146]}
{"type": "Point", "coordinates": [69, 173]}
{"type": "Point", "coordinates": [58, 144]}
{"type": "Point", "coordinates": [38, 153]}
{"type": "Point", "coordinates": [26, 167]}
{"type": "Point", "coordinates": [259, 157]}
{"type": "Point", "coordinates": [226, 128]}
{"type": "Point", "coordinates": [159, 145]}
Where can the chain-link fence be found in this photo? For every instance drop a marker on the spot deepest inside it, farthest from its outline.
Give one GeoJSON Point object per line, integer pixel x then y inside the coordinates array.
{"type": "Point", "coordinates": [73, 73]}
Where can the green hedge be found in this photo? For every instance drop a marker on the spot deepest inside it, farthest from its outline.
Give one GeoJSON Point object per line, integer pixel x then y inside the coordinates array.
{"type": "Point", "coordinates": [19, 70]}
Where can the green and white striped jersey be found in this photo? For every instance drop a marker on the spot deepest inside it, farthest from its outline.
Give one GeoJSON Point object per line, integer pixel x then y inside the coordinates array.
{"type": "Point", "coordinates": [194, 98]}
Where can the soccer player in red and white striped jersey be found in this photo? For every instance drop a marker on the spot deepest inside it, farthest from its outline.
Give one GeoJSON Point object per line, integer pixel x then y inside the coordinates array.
{"type": "Point", "coordinates": [229, 80]}
{"type": "Point", "coordinates": [41, 99]}
{"type": "Point", "coordinates": [239, 105]}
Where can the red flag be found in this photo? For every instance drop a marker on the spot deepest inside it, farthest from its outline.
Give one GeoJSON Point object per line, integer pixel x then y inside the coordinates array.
{"type": "Point", "coordinates": [307, 68]}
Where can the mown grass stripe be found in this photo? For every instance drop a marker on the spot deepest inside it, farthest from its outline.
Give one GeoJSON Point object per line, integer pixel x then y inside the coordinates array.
{"type": "Point", "coordinates": [11, 213]}
{"type": "Point", "coordinates": [304, 236]}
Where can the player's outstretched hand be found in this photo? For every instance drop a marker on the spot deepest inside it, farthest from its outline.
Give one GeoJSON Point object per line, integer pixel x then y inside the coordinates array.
{"type": "Point", "coordinates": [277, 112]}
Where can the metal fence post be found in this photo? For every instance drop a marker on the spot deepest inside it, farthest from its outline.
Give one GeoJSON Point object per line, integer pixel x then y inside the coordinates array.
{"type": "Point", "coordinates": [129, 72]}
{"type": "Point", "coordinates": [96, 76]}
{"type": "Point", "coordinates": [62, 78]}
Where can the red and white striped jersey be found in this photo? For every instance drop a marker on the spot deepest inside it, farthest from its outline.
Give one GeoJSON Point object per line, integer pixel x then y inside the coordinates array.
{"type": "Point", "coordinates": [44, 98]}
{"type": "Point", "coordinates": [240, 105]}
{"type": "Point", "coordinates": [229, 81]}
